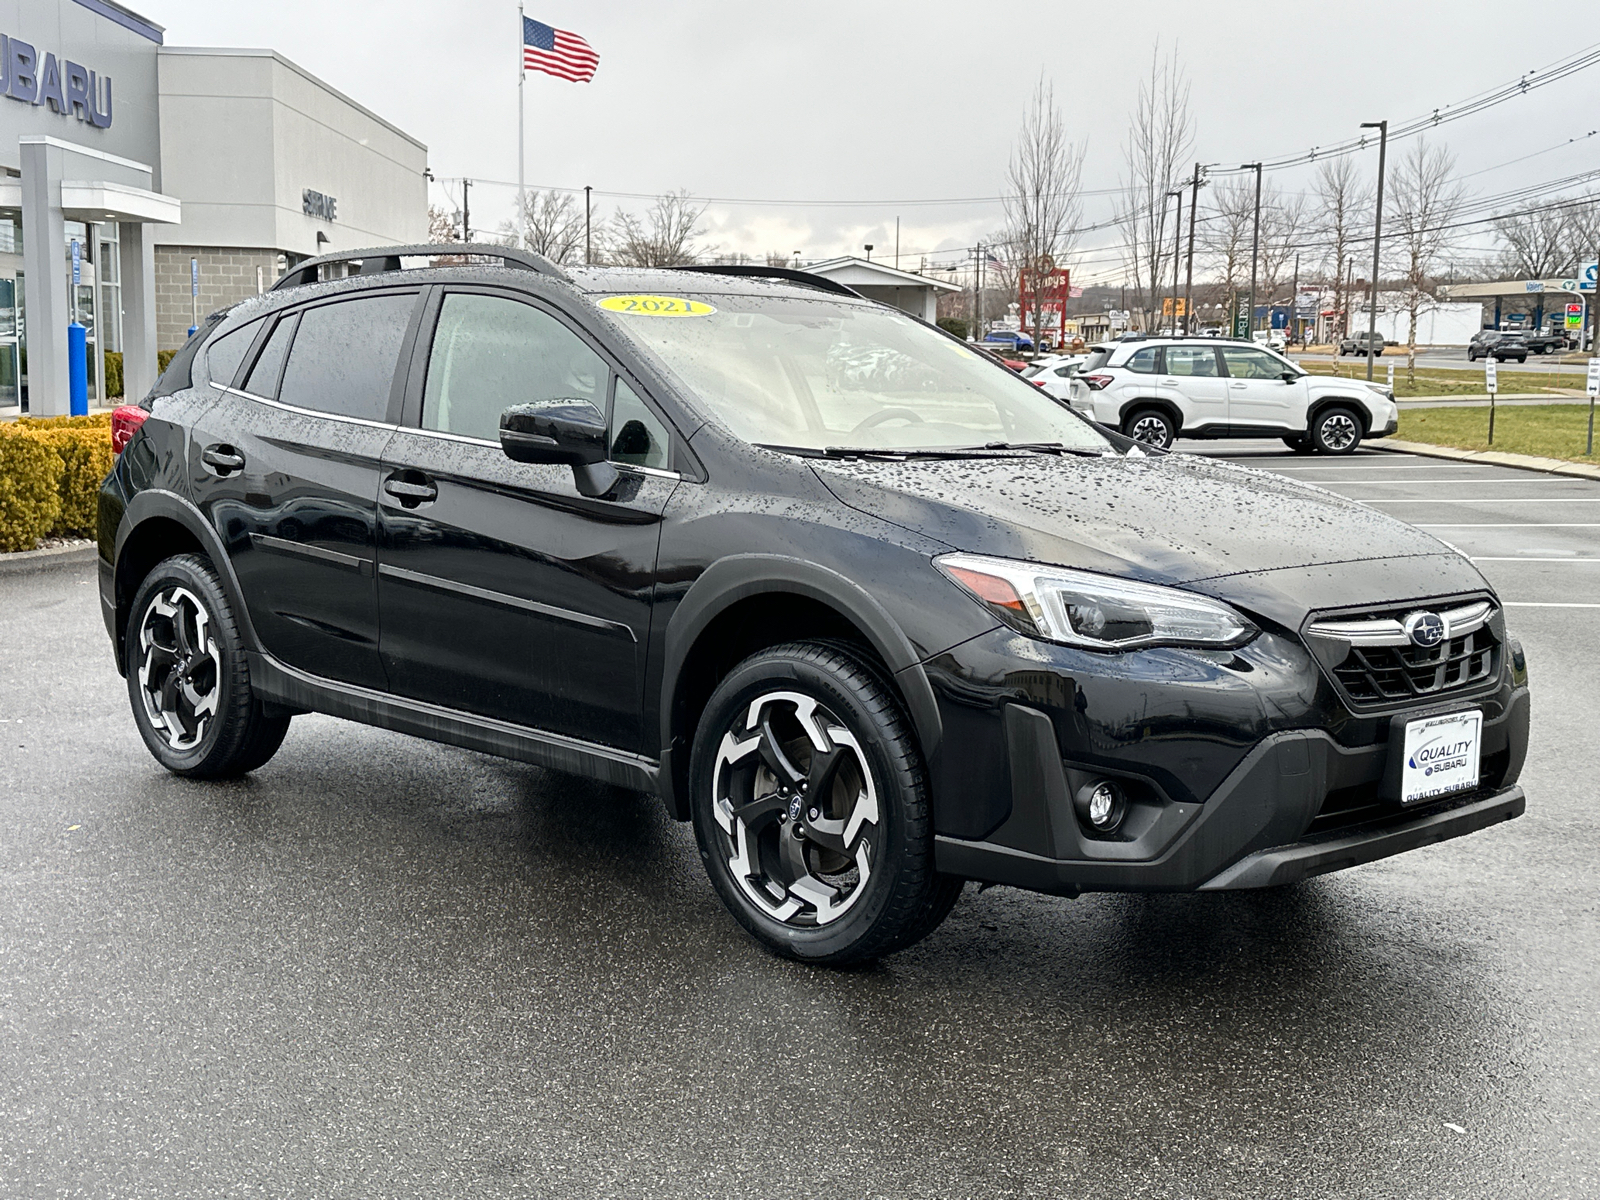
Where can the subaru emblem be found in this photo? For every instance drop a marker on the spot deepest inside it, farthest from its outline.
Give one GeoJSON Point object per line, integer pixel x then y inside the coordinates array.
{"type": "Point", "coordinates": [1425, 629]}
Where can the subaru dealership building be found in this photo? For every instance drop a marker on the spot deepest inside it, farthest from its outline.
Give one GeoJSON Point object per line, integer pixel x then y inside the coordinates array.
{"type": "Point", "coordinates": [142, 184]}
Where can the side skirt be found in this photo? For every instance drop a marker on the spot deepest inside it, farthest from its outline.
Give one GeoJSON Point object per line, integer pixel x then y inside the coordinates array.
{"type": "Point", "coordinates": [296, 689]}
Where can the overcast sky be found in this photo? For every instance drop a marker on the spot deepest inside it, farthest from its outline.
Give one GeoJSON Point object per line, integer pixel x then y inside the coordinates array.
{"type": "Point", "coordinates": [907, 101]}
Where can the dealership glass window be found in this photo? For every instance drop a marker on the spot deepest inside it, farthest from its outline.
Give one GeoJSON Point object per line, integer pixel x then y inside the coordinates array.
{"type": "Point", "coordinates": [10, 233]}
{"type": "Point", "coordinates": [108, 271]}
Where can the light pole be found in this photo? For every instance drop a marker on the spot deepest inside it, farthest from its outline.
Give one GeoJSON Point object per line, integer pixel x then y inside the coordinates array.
{"type": "Point", "coordinates": [588, 240]}
{"type": "Point", "coordinates": [1255, 242]}
{"type": "Point", "coordinates": [1177, 253]}
{"type": "Point", "coordinates": [1377, 236]}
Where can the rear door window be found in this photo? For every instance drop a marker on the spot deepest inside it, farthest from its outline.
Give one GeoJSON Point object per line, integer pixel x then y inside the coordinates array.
{"type": "Point", "coordinates": [344, 355]}
{"type": "Point", "coordinates": [1192, 360]}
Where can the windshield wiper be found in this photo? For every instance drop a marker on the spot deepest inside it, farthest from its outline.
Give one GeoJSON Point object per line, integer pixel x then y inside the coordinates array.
{"type": "Point", "coordinates": [1042, 448]}
{"type": "Point", "coordinates": [889, 452]}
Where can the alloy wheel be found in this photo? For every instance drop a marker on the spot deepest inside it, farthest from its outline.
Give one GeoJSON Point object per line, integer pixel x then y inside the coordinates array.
{"type": "Point", "coordinates": [1151, 430]}
{"type": "Point", "coordinates": [1338, 432]}
{"type": "Point", "coordinates": [795, 799]}
{"type": "Point", "coordinates": [180, 669]}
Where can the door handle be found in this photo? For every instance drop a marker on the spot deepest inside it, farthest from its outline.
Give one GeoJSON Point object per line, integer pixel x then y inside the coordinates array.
{"type": "Point", "coordinates": [1237, 384]}
{"type": "Point", "coordinates": [411, 493]}
{"type": "Point", "coordinates": [223, 460]}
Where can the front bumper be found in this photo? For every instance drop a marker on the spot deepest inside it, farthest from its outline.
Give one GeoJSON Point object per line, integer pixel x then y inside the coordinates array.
{"type": "Point", "coordinates": [1240, 774]}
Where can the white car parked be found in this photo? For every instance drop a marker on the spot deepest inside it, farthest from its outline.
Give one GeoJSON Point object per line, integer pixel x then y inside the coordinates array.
{"type": "Point", "coordinates": [1159, 391]}
{"type": "Point", "coordinates": [1054, 375]}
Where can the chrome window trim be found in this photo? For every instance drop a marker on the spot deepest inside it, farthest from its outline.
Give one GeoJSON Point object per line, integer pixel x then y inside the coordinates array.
{"type": "Point", "coordinates": [306, 412]}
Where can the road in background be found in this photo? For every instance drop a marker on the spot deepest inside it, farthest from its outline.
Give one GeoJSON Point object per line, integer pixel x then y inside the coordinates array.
{"type": "Point", "coordinates": [385, 967]}
{"type": "Point", "coordinates": [1454, 358]}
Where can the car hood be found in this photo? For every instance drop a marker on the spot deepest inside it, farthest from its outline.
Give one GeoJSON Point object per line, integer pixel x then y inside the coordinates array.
{"type": "Point", "coordinates": [1171, 518]}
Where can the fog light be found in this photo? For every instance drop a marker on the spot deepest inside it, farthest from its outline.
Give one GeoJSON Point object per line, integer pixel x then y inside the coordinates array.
{"type": "Point", "coordinates": [1103, 805]}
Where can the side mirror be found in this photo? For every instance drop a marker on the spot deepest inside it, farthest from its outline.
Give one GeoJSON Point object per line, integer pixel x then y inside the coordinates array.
{"type": "Point", "coordinates": [568, 431]}
{"type": "Point", "coordinates": [1289, 376]}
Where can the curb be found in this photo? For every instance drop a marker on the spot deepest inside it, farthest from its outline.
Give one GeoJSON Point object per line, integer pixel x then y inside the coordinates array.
{"type": "Point", "coordinates": [1528, 462]}
{"type": "Point", "coordinates": [25, 561]}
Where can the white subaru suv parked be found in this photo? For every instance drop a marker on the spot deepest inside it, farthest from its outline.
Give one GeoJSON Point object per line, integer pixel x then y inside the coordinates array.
{"type": "Point", "coordinates": [1158, 391]}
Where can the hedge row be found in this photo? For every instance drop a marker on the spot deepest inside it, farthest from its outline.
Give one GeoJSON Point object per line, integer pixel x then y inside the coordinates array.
{"type": "Point", "coordinates": [50, 474]}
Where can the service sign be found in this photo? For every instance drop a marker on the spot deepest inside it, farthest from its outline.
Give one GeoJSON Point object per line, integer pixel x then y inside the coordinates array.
{"type": "Point", "coordinates": [1441, 756]}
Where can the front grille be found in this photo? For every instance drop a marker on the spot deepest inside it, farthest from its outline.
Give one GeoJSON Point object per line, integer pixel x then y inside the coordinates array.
{"type": "Point", "coordinates": [1381, 665]}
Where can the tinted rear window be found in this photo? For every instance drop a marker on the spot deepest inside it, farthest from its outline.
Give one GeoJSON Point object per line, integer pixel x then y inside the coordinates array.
{"type": "Point", "coordinates": [344, 354]}
{"type": "Point", "coordinates": [180, 371]}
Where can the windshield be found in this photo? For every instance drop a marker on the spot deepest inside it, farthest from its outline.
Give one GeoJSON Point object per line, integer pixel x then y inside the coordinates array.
{"type": "Point", "coordinates": [814, 374]}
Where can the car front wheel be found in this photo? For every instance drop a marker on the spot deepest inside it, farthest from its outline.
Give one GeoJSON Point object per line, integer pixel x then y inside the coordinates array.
{"type": "Point", "coordinates": [1150, 426]}
{"type": "Point", "coordinates": [811, 809]}
{"type": "Point", "coordinates": [187, 677]}
{"type": "Point", "coordinates": [1336, 431]}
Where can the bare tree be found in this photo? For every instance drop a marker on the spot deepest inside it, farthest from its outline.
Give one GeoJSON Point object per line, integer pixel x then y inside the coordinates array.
{"type": "Point", "coordinates": [1427, 200]}
{"type": "Point", "coordinates": [1226, 232]}
{"type": "Point", "coordinates": [1283, 221]}
{"type": "Point", "coordinates": [1343, 214]}
{"type": "Point", "coordinates": [1041, 200]}
{"type": "Point", "coordinates": [1582, 226]}
{"type": "Point", "coordinates": [666, 237]}
{"type": "Point", "coordinates": [443, 225]}
{"type": "Point", "coordinates": [1157, 150]}
{"type": "Point", "coordinates": [553, 226]}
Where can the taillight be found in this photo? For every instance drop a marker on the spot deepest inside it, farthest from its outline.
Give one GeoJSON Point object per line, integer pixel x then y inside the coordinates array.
{"type": "Point", "coordinates": [125, 422]}
{"type": "Point", "coordinates": [1096, 382]}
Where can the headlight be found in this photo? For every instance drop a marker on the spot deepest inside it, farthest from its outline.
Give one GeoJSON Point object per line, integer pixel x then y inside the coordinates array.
{"type": "Point", "coordinates": [1080, 608]}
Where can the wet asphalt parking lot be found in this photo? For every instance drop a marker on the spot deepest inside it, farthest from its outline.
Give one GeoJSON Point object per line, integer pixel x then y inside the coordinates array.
{"type": "Point", "coordinates": [380, 967]}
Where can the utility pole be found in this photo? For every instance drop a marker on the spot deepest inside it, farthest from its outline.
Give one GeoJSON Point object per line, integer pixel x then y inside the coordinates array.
{"type": "Point", "coordinates": [1377, 236]}
{"type": "Point", "coordinates": [1294, 295]}
{"type": "Point", "coordinates": [977, 292]}
{"type": "Point", "coordinates": [466, 211]}
{"type": "Point", "coordinates": [588, 242]}
{"type": "Point", "coordinates": [1255, 241]}
{"type": "Point", "coordinates": [1177, 253]}
{"type": "Point", "coordinates": [1188, 283]}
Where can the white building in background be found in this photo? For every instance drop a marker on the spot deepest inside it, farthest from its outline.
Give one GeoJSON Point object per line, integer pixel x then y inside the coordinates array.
{"type": "Point", "coordinates": [273, 166]}
{"type": "Point", "coordinates": [121, 160]}
{"type": "Point", "coordinates": [909, 292]}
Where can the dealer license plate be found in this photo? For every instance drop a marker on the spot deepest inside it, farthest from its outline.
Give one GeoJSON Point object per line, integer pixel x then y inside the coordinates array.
{"type": "Point", "coordinates": [1441, 756]}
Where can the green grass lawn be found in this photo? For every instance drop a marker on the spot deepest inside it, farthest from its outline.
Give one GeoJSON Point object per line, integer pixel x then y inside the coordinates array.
{"type": "Point", "coordinates": [1442, 381]}
{"type": "Point", "coordinates": [1550, 430]}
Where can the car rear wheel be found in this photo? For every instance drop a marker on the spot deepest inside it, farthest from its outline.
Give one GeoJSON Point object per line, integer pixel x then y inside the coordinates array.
{"type": "Point", "coordinates": [187, 677]}
{"type": "Point", "coordinates": [1336, 431]}
{"type": "Point", "coordinates": [1150, 426]}
{"type": "Point", "coordinates": [811, 809]}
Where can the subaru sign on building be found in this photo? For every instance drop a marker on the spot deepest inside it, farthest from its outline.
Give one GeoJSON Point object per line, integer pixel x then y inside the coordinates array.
{"type": "Point", "coordinates": [123, 160]}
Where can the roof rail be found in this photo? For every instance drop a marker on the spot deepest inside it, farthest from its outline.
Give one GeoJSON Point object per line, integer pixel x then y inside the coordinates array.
{"type": "Point", "coordinates": [751, 270]}
{"type": "Point", "coordinates": [377, 259]}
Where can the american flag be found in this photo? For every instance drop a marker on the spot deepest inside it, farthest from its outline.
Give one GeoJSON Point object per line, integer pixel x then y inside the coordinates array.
{"type": "Point", "coordinates": [556, 52]}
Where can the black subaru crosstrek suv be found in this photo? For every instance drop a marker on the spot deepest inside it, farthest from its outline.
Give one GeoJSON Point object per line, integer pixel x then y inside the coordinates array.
{"type": "Point", "coordinates": [875, 614]}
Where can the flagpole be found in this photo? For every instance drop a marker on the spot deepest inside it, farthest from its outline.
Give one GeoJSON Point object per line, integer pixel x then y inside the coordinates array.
{"type": "Point", "coordinates": [522, 75]}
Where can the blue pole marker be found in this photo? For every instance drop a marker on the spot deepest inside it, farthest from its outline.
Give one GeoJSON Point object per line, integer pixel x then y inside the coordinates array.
{"type": "Point", "coordinates": [194, 294]}
{"type": "Point", "coordinates": [77, 263]}
{"type": "Point", "coordinates": [77, 371]}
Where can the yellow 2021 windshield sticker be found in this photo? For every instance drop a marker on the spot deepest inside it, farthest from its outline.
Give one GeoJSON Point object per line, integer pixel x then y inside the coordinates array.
{"type": "Point", "coordinates": [657, 306]}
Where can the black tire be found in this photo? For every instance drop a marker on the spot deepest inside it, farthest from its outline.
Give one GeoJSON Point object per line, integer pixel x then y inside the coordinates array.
{"type": "Point", "coordinates": [188, 681]}
{"type": "Point", "coordinates": [1471, 357]}
{"type": "Point", "coordinates": [1299, 444]}
{"type": "Point", "coordinates": [1150, 427]}
{"type": "Point", "coordinates": [764, 866]}
{"type": "Point", "coordinates": [1335, 430]}
{"type": "Point", "coordinates": [1522, 358]}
